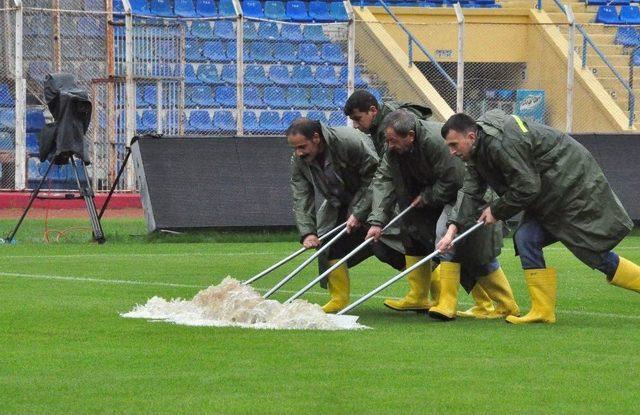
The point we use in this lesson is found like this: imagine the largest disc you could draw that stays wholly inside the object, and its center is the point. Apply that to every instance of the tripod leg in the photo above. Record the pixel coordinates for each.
(31, 200)
(115, 183)
(87, 194)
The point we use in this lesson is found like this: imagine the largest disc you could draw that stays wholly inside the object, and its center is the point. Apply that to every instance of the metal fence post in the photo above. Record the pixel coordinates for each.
(460, 80)
(21, 101)
(130, 98)
(570, 63)
(239, 66)
(351, 49)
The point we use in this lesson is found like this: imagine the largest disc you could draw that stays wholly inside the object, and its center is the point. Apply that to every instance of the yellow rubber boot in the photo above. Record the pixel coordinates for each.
(499, 290)
(338, 285)
(434, 290)
(417, 299)
(627, 275)
(449, 281)
(483, 307)
(543, 287)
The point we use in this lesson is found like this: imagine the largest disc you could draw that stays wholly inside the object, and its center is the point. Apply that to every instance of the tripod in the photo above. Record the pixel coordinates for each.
(85, 190)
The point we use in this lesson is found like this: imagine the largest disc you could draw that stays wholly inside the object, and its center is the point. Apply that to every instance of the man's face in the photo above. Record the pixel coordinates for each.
(363, 120)
(460, 144)
(304, 148)
(399, 144)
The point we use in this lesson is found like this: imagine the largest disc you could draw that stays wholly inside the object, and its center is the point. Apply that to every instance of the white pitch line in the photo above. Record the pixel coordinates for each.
(167, 284)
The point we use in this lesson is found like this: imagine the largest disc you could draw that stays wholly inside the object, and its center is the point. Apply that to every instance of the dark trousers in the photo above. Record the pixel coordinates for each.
(350, 241)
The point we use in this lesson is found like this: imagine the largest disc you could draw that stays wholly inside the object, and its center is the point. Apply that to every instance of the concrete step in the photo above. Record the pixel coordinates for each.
(591, 29)
(581, 17)
(600, 69)
(621, 61)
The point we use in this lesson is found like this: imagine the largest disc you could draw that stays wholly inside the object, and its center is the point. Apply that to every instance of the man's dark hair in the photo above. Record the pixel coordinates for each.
(304, 126)
(401, 121)
(360, 100)
(461, 123)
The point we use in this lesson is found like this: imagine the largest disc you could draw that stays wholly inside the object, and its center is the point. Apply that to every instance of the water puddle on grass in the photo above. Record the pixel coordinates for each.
(232, 303)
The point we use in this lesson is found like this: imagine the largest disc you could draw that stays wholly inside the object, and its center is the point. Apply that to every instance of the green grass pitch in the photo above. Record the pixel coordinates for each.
(64, 348)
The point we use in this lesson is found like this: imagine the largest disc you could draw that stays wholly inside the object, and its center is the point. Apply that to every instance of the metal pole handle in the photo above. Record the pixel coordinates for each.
(290, 257)
(345, 258)
(406, 271)
(304, 264)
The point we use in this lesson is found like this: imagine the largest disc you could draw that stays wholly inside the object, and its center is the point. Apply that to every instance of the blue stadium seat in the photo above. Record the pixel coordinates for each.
(184, 8)
(226, 9)
(215, 50)
(224, 121)
(285, 53)
(636, 58)
(274, 97)
(252, 8)
(337, 119)
(33, 146)
(607, 15)
(34, 120)
(229, 73)
(326, 75)
(279, 75)
(308, 52)
(249, 31)
(319, 11)
(199, 122)
(268, 31)
(249, 121)
(322, 98)
(274, 9)
(318, 116)
(6, 97)
(376, 93)
(202, 96)
(206, 8)
(627, 36)
(141, 102)
(332, 53)
(630, 15)
(190, 77)
(208, 74)
(91, 27)
(338, 12)
(359, 82)
(140, 7)
(254, 75)
(252, 98)
(193, 51)
(269, 122)
(291, 32)
(226, 96)
(315, 33)
(224, 30)
(261, 52)
(232, 49)
(201, 30)
(288, 117)
(149, 120)
(302, 76)
(298, 97)
(161, 8)
(38, 70)
(297, 11)
(7, 119)
(340, 97)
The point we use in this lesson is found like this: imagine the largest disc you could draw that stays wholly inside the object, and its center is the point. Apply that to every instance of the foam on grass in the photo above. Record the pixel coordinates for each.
(232, 303)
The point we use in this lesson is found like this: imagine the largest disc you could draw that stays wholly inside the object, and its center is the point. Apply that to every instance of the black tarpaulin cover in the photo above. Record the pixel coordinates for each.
(71, 111)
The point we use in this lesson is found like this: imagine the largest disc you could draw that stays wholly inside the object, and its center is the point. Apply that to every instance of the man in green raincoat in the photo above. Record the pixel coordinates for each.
(338, 165)
(418, 170)
(560, 188)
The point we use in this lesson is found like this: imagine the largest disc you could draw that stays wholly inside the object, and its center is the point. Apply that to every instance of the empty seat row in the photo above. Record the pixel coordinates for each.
(293, 10)
(225, 30)
(219, 51)
(609, 15)
(606, 2)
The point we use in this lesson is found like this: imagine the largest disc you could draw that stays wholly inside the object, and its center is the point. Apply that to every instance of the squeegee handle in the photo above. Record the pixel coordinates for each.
(405, 272)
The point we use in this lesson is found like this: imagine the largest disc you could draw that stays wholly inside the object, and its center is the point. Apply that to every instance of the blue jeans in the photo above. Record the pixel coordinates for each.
(531, 237)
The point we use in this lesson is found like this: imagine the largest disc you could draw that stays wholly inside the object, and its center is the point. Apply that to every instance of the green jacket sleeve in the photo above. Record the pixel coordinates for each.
(359, 154)
(448, 173)
(304, 207)
(383, 194)
(513, 159)
(470, 198)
